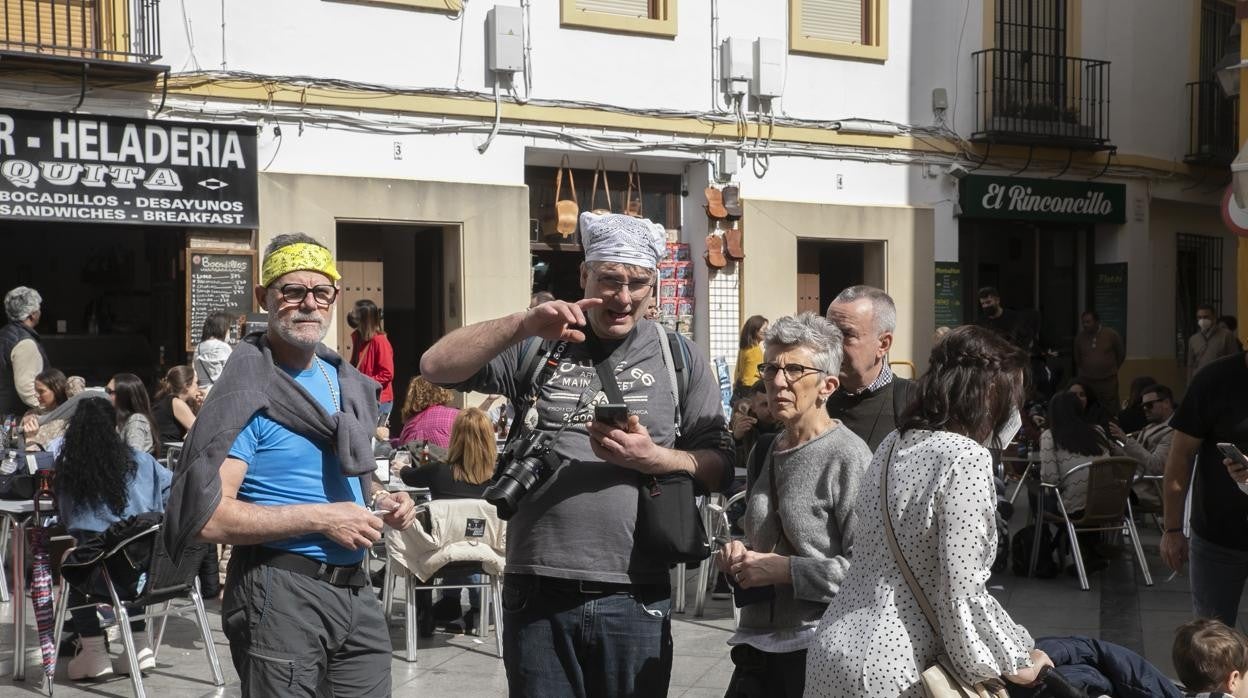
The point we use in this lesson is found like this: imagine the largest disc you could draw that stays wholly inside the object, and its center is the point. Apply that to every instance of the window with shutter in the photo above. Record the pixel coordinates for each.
(448, 6)
(846, 28)
(66, 28)
(654, 17)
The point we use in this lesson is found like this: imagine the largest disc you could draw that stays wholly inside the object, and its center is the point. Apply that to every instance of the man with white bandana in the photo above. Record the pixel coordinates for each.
(585, 611)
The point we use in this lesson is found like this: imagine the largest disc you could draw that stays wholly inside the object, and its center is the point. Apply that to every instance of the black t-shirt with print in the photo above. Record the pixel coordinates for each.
(1215, 409)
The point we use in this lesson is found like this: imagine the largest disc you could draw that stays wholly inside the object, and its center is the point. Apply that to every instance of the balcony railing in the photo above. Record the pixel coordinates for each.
(1028, 98)
(1211, 121)
(108, 30)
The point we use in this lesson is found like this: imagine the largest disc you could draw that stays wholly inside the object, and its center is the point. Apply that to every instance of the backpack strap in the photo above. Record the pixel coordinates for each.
(531, 360)
(676, 360)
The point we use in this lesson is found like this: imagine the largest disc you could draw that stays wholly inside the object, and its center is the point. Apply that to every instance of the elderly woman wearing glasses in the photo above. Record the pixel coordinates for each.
(799, 518)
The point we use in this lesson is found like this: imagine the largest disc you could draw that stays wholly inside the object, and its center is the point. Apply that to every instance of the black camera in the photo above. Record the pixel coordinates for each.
(524, 463)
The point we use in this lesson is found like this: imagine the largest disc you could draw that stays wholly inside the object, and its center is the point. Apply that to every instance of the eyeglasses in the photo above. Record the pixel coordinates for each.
(322, 294)
(636, 289)
(792, 372)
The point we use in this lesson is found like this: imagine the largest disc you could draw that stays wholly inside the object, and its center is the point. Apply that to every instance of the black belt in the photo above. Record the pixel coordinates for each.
(351, 576)
(583, 587)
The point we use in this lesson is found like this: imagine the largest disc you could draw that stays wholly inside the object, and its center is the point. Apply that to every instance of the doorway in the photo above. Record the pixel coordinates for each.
(400, 267)
(825, 268)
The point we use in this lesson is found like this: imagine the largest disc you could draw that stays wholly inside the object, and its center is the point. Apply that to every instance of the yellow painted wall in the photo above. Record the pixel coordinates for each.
(769, 275)
(492, 222)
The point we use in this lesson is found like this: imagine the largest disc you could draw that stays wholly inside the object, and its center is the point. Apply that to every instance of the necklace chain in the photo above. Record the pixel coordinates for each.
(333, 394)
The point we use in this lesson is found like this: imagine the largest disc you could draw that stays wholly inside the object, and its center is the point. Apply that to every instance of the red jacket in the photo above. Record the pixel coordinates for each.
(375, 359)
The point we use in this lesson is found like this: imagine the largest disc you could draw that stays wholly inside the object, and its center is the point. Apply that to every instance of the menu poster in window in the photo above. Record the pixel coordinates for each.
(216, 280)
(1109, 296)
(948, 294)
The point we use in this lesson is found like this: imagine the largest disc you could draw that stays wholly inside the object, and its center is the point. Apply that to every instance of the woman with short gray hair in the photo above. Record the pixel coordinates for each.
(799, 517)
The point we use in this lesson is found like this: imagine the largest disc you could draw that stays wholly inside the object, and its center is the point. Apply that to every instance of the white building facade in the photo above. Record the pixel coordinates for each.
(886, 154)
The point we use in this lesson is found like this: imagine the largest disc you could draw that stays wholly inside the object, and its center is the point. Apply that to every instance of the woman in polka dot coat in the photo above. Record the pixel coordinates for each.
(874, 639)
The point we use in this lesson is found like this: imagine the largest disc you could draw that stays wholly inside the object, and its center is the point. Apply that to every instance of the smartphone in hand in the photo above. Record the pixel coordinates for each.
(614, 414)
(1232, 452)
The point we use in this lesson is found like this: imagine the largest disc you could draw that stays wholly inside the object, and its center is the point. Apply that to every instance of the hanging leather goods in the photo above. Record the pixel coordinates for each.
(600, 169)
(566, 210)
(632, 206)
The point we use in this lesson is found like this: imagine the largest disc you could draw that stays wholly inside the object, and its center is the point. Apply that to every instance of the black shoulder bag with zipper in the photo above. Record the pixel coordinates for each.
(669, 525)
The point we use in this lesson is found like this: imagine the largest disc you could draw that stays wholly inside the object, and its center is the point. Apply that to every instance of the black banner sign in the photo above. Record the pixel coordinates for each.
(82, 168)
(1064, 200)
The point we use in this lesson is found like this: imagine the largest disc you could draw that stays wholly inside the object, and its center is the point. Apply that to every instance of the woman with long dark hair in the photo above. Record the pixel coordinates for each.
(173, 411)
(371, 352)
(134, 412)
(750, 354)
(51, 389)
(874, 639)
(99, 481)
(1068, 442)
(1090, 408)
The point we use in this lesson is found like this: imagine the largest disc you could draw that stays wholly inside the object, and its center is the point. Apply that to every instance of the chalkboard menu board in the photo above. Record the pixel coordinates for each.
(1109, 296)
(948, 294)
(216, 280)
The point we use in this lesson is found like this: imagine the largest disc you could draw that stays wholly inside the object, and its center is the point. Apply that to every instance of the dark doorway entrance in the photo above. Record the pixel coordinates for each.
(825, 268)
(399, 267)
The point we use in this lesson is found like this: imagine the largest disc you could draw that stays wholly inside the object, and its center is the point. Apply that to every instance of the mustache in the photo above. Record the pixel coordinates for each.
(305, 317)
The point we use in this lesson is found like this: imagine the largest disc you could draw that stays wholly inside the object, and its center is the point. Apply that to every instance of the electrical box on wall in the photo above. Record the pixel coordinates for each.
(736, 68)
(767, 79)
(504, 31)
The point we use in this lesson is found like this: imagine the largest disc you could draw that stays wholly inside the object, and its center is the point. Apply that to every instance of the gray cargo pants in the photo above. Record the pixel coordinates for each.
(291, 635)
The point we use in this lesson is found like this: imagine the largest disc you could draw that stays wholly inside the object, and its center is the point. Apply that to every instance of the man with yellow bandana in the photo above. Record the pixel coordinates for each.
(281, 454)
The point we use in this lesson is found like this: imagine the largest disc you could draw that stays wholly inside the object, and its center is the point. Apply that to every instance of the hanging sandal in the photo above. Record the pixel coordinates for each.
(566, 210)
(732, 201)
(600, 168)
(715, 250)
(715, 203)
(632, 206)
(733, 240)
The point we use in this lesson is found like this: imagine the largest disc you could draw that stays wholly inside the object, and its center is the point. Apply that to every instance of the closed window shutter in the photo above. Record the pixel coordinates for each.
(38, 25)
(833, 20)
(627, 8)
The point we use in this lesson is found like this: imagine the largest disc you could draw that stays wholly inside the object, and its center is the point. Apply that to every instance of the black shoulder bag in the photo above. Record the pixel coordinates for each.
(669, 525)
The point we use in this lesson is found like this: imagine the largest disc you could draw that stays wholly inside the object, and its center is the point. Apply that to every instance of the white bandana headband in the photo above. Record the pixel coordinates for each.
(615, 237)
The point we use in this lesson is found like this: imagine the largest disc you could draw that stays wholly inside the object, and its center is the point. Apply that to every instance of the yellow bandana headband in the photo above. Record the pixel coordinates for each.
(299, 256)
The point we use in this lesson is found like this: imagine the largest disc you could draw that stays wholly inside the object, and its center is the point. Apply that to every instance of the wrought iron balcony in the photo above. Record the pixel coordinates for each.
(1027, 98)
(1211, 122)
(126, 31)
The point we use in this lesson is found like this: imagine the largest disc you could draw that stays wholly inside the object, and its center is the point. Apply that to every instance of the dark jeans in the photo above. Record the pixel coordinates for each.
(87, 623)
(760, 674)
(292, 635)
(558, 641)
(1218, 576)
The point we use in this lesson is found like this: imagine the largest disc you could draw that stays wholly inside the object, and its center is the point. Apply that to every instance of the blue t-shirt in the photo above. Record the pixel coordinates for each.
(286, 468)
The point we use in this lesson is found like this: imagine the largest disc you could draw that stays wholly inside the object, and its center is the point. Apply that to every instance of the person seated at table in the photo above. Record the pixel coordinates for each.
(134, 412)
(465, 475)
(173, 409)
(1090, 408)
(100, 480)
(1068, 442)
(426, 414)
(51, 388)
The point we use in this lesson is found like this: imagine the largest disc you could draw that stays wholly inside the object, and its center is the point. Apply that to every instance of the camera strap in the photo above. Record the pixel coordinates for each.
(610, 386)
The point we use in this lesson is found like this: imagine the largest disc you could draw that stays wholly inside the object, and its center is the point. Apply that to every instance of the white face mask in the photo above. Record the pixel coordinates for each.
(1205, 323)
(1007, 432)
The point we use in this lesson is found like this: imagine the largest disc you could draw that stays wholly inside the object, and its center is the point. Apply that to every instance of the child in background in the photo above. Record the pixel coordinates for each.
(1211, 659)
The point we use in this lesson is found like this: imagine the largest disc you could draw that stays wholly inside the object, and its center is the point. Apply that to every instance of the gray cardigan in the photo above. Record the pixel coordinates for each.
(817, 485)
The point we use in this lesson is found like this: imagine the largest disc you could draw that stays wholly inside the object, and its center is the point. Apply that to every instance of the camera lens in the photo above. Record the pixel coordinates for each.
(514, 482)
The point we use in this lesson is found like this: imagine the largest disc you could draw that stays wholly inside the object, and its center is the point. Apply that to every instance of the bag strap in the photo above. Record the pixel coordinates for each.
(891, 537)
(600, 168)
(675, 371)
(563, 164)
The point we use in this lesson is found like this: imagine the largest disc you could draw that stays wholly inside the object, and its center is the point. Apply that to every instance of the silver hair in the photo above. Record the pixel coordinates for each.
(284, 239)
(883, 310)
(21, 303)
(812, 332)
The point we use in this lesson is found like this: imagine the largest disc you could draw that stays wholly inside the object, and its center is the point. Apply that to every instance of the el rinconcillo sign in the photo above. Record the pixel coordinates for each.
(1042, 199)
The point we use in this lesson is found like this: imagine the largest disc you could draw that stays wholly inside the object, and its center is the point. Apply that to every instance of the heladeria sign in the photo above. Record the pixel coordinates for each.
(1042, 199)
(101, 169)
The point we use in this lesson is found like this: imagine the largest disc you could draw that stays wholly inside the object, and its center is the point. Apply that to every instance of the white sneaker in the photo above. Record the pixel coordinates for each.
(91, 662)
(143, 648)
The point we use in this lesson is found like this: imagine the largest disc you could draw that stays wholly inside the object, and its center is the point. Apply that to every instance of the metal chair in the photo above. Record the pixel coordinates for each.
(719, 530)
(166, 582)
(491, 588)
(1107, 508)
(1154, 510)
